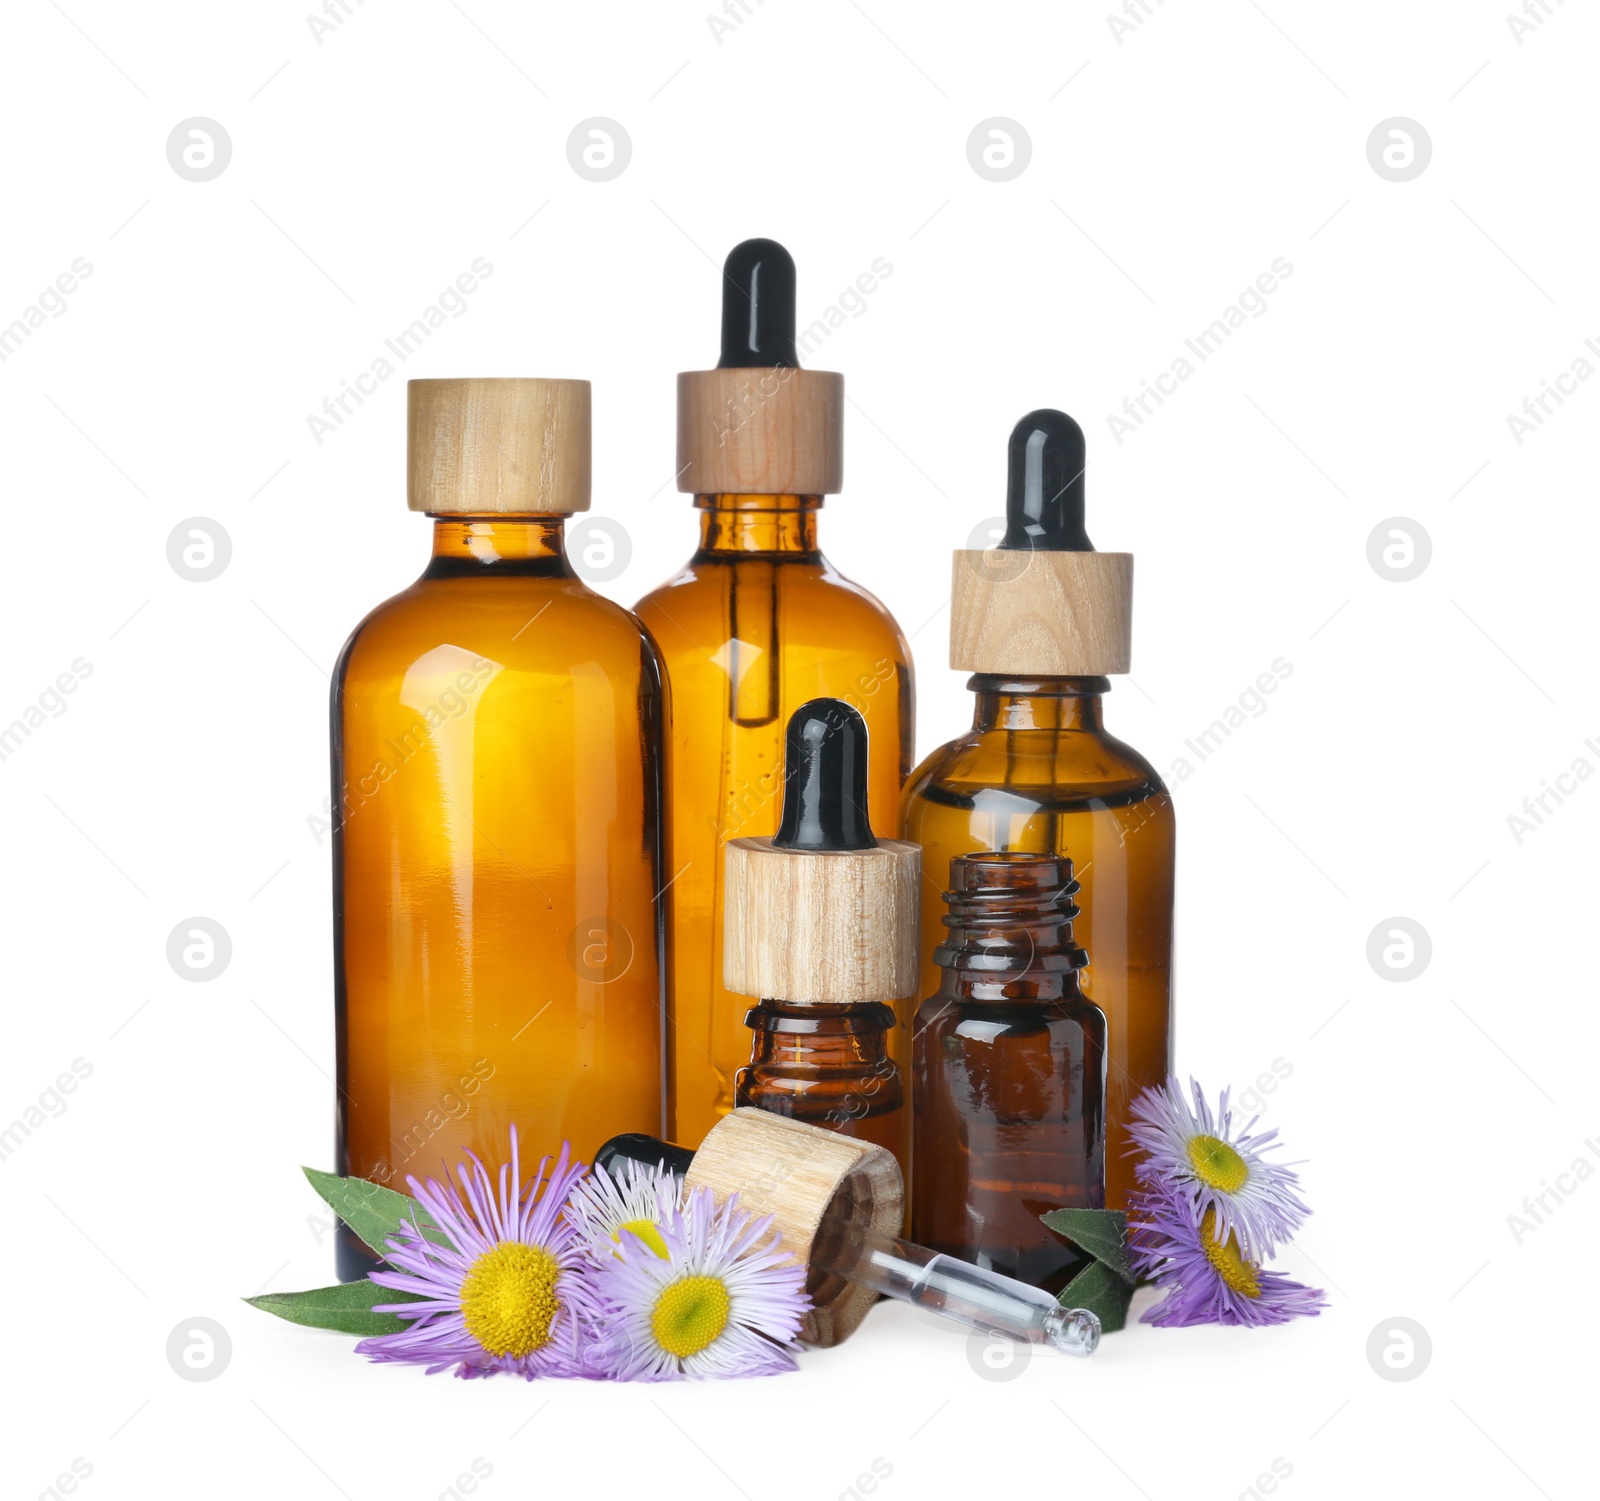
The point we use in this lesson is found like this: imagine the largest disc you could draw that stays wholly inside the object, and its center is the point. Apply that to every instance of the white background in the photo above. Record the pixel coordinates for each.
(1168, 170)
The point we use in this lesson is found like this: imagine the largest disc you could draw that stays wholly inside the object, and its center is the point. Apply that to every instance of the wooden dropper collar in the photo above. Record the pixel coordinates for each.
(758, 424)
(822, 910)
(1044, 603)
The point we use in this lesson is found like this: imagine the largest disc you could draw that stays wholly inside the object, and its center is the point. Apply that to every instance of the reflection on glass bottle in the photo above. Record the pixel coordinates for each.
(496, 768)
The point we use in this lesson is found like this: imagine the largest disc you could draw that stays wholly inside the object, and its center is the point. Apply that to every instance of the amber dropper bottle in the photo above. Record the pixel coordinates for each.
(1039, 622)
(496, 741)
(757, 623)
(1009, 1075)
(821, 924)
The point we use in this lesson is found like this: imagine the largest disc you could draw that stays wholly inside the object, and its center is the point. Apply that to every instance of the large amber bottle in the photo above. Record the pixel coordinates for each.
(757, 623)
(497, 733)
(1039, 622)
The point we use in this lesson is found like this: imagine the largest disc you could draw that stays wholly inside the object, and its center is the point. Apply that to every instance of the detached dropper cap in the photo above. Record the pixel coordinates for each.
(1044, 603)
(758, 424)
(844, 1189)
(822, 911)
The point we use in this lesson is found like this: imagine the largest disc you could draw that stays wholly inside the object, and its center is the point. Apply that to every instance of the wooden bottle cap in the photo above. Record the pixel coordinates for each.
(494, 447)
(821, 925)
(815, 1184)
(1045, 614)
(772, 431)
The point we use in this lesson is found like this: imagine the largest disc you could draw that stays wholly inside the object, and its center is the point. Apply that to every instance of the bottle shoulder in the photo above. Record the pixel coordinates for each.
(1048, 767)
(943, 1014)
(820, 606)
(529, 623)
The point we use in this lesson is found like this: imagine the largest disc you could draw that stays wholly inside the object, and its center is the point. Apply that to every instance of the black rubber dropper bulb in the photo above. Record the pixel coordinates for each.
(758, 307)
(1044, 485)
(648, 1151)
(825, 780)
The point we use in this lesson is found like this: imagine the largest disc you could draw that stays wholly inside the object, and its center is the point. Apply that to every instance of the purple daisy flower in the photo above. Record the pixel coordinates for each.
(636, 1197)
(1206, 1276)
(1215, 1168)
(721, 1301)
(509, 1293)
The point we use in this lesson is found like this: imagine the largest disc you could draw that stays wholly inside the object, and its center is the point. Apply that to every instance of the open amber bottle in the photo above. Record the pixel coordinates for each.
(821, 923)
(1009, 1074)
(828, 1065)
(757, 623)
(1039, 621)
(496, 769)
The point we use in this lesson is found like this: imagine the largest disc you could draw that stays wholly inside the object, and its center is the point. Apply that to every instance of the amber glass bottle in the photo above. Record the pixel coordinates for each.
(1009, 1074)
(821, 922)
(1038, 622)
(757, 623)
(827, 1065)
(496, 764)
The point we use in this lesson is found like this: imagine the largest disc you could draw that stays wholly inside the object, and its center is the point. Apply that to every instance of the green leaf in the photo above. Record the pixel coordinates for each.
(1099, 1289)
(1103, 1233)
(346, 1306)
(371, 1210)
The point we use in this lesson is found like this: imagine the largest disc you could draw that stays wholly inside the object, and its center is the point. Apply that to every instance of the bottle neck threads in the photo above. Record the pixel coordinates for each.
(1010, 929)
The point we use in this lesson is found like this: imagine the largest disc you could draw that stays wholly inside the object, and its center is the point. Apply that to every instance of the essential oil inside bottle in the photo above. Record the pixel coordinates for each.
(497, 847)
(1009, 1073)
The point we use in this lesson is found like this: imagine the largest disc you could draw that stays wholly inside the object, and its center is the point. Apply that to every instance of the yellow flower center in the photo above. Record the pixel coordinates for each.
(1227, 1260)
(647, 1231)
(689, 1315)
(508, 1298)
(1217, 1165)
